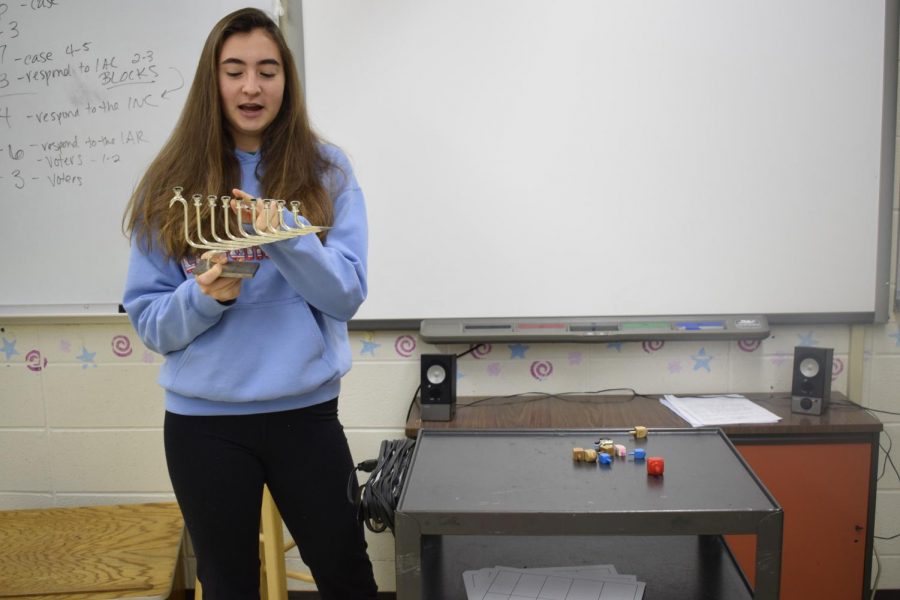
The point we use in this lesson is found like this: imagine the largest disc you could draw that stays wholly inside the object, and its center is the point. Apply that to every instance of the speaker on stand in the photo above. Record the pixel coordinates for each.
(438, 375)
(811, 386)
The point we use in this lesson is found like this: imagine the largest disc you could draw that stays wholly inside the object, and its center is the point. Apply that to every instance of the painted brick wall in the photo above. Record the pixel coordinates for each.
(81, 413)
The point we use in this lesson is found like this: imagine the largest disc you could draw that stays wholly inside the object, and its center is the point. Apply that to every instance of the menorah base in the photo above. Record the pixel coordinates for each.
(241, 270)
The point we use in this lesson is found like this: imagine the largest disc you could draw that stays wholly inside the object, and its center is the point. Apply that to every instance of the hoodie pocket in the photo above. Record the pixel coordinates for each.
(256, 352)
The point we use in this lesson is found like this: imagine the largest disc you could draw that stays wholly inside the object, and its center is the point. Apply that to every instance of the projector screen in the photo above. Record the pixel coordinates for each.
(577, 158)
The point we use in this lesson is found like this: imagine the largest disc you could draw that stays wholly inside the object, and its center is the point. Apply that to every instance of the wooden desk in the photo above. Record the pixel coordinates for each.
(90, 553)
(821, 470)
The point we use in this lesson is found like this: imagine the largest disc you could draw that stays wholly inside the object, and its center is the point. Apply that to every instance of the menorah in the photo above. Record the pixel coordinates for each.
(248, 234)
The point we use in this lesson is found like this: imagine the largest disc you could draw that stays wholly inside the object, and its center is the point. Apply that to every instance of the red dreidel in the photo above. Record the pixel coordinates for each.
(655, 465)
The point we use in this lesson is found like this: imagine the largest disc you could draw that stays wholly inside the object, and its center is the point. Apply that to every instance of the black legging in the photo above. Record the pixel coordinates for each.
(218, 466)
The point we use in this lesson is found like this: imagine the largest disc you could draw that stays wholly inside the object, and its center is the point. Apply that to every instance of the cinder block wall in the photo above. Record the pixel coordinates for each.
(81, 413)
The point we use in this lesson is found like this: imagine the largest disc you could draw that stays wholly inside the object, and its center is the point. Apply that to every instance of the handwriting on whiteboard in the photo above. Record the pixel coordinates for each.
(73, 107)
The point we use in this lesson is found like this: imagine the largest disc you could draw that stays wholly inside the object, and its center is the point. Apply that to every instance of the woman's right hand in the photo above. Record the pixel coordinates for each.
(213, 284)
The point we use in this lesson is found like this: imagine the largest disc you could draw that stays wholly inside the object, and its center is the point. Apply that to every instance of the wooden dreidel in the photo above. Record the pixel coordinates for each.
(655, 465)
(590, 455)
(607, 446)
(639, 432)
(578, 454)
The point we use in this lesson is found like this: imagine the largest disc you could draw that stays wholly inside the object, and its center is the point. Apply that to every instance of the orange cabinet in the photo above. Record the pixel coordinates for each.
(826, 490)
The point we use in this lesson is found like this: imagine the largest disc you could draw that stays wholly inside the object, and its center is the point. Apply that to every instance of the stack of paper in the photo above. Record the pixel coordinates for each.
(594, 582)
(730, 409)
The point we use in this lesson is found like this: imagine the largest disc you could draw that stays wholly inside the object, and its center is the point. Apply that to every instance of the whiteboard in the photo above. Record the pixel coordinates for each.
(89, 92)
(578, 158)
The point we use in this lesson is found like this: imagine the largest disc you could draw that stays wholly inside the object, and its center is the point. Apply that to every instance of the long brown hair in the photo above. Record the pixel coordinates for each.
(199, 154)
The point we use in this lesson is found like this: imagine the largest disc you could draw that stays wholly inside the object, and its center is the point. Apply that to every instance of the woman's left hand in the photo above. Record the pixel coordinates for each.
(264, 218)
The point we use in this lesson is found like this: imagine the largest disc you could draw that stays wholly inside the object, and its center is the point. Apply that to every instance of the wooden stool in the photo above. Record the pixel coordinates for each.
(122, 551)
(273, 574)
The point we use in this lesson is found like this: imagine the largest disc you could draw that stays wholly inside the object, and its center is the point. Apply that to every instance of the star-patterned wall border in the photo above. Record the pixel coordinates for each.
(405, 346)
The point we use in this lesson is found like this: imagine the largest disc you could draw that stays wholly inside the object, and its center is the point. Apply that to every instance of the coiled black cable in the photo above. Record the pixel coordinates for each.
(377, 498)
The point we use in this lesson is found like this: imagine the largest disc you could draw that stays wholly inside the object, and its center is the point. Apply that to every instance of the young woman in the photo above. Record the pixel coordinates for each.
(253, 366)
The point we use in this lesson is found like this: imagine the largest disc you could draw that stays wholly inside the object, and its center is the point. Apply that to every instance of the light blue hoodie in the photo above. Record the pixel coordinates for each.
(283, 344)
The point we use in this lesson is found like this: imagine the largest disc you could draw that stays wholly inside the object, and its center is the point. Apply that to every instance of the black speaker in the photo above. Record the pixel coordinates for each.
(811, 388)
(438, 387)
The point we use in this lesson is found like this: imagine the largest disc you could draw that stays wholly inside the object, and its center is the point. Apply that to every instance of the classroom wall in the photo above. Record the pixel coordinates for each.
(81, 414)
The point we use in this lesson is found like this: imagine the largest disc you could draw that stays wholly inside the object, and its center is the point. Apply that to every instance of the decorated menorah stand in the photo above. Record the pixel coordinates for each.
(248, 234)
